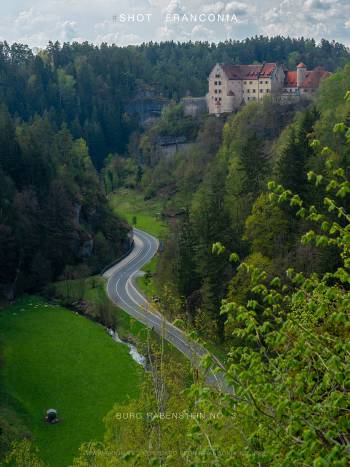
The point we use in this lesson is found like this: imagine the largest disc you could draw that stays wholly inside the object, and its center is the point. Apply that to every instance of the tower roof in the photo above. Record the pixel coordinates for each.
(301, 65)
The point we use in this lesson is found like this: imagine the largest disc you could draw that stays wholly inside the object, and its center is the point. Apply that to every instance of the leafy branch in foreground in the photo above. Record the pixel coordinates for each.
(291, 372)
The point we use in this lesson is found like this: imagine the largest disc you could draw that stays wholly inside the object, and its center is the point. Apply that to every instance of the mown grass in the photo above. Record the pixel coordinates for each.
(131, 205)
(92, 291)
(55, 358)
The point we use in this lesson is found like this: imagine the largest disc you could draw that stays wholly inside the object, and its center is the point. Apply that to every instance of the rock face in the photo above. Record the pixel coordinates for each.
(194, 106)
(167, 146)
(146, 106)
(86, 249)
(81, 244)
(77, 212)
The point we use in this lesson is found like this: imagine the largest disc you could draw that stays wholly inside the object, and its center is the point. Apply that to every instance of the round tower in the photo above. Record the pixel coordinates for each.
(301, 74)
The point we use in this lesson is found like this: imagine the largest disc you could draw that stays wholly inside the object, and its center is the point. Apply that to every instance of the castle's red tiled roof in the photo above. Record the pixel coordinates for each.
(301, 65)
(290, 80)
(249, 71)
(267, 70)
(312, 78)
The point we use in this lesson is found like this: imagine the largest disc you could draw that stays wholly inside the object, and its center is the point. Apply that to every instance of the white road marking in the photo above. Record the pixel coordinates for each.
(138, 258)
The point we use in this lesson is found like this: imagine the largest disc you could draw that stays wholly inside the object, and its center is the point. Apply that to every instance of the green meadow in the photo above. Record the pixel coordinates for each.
(132, 206)
(53, 358)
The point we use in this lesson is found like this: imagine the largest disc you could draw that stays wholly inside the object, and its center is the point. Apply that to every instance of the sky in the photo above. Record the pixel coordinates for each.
(125, 22)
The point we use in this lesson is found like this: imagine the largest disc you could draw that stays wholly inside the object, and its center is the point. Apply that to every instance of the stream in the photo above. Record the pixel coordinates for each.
(135, 355)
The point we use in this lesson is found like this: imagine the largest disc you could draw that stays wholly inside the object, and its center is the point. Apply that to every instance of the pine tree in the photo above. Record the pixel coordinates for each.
(186, 275)
(211, 225)
(292, 164)
(255, 164)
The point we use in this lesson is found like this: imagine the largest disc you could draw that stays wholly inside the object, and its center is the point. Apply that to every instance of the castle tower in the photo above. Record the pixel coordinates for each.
(301, 74)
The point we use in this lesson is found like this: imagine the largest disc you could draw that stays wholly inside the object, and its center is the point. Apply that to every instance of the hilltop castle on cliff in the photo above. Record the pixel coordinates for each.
(232, 85)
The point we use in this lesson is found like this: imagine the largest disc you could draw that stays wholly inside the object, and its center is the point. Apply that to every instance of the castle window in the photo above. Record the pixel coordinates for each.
(219, 91)
(267, 90)
(266, 82)
(217, 76)
(253, 90)
(248, 90)
(261, 82)
(245, 82)
(216, 91)
(250, 82)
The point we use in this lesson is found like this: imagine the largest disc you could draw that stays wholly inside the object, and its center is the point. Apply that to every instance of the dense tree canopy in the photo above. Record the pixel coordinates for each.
(52, 210)
(89, 87)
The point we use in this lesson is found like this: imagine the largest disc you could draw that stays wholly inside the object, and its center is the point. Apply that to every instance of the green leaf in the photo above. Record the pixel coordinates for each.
(218, 249)
(234, 258)
(339, 128)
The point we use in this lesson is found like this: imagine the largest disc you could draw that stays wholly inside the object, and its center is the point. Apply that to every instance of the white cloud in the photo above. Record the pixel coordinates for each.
(232, 8)
(201, 33)
(69, 31)
(310, 18)
(68, 20)
(174, 7)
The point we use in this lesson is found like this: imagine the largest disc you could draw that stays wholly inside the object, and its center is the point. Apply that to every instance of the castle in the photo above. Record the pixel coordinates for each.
(230, 86)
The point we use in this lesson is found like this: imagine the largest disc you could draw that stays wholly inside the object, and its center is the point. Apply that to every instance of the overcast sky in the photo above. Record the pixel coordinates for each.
(123, 22)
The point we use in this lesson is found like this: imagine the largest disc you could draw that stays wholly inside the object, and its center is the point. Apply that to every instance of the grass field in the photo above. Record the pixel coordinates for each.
(93, 291)
(131, 205)
(55, 358)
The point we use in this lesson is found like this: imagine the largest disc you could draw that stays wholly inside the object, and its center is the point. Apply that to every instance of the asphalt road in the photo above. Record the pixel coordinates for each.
(122, 291)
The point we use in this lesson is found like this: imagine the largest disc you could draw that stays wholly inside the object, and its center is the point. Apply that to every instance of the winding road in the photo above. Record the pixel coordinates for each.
(122, 291)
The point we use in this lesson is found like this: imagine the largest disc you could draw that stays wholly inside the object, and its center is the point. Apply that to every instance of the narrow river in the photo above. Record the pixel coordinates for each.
(140, 359)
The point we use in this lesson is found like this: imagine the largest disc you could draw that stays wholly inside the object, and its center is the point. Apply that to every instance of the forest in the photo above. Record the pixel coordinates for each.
(88, 87)
(256, 262)
(256, 259)
(64, 107)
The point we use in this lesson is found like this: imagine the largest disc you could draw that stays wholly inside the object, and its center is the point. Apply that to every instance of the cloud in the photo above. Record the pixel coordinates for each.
(310, 18)
(174, 7)
(239, 9)
(232, 8)
(68, 20)
(317, 5)
(201, 33)
(69, 31)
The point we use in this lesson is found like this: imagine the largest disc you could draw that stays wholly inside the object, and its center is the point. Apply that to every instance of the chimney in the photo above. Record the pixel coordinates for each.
(301, 74)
